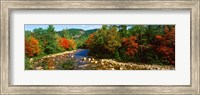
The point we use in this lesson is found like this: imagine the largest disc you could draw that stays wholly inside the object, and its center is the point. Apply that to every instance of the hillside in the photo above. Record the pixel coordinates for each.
(77, 33)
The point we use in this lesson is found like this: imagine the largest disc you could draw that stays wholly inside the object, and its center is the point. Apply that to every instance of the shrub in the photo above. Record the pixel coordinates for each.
(68, 65)
(51, 64)
(28, 65)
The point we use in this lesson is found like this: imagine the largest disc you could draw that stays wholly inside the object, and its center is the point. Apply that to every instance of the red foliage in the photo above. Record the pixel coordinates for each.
(64, 43)
(131, 45)
(167, 44)
(32, 47)
(159, 37)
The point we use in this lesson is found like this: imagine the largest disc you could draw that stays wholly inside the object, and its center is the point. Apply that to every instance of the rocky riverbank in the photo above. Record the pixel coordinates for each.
(109, 64)
(56, 61)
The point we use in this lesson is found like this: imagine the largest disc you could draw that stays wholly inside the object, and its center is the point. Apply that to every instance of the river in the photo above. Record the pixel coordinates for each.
(80, 54)
(80, 60)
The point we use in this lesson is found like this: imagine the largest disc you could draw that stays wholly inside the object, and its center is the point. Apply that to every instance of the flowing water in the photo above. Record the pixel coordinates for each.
(80, 54)
(79, 60)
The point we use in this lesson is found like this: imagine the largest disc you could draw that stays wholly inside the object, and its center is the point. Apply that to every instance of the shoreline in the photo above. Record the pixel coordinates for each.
(142, 65)
(108, 64)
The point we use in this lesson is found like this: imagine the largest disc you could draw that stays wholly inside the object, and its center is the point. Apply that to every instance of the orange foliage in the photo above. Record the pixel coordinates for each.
(132, 46)
(32, 47)
(64, 43)
(72, 44)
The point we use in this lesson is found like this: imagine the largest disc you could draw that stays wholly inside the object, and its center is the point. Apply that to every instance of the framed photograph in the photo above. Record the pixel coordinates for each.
(100, 47)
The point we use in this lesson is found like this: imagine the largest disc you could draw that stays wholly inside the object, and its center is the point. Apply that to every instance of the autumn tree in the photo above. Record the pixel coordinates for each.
(166, 44)
(32, 47)
(72, 44)
(90, 41)
(64, 43)
(131, 45)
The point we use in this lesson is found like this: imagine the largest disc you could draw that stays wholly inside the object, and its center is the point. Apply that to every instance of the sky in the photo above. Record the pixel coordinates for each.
(59, 27)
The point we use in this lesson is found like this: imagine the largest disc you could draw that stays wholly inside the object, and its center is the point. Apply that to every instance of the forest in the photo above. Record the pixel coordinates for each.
(111, 47)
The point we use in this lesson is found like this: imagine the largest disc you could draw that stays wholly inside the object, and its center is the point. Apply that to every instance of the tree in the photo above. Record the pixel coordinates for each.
(27, 33)
(90, 41)
(64, 43)
(166, 44)
(65, 33)
(32, 47)
(50, 29)
(123, 31)
(72, 44)
(130, 45)
(51, 41)
(104, 41)
(112, 40)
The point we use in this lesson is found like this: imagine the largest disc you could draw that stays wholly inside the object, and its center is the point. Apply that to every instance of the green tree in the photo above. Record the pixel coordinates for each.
(65, 33)
(123, 31)
(112, 39)
(51, 42)
(105, 41)
(27, 33)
